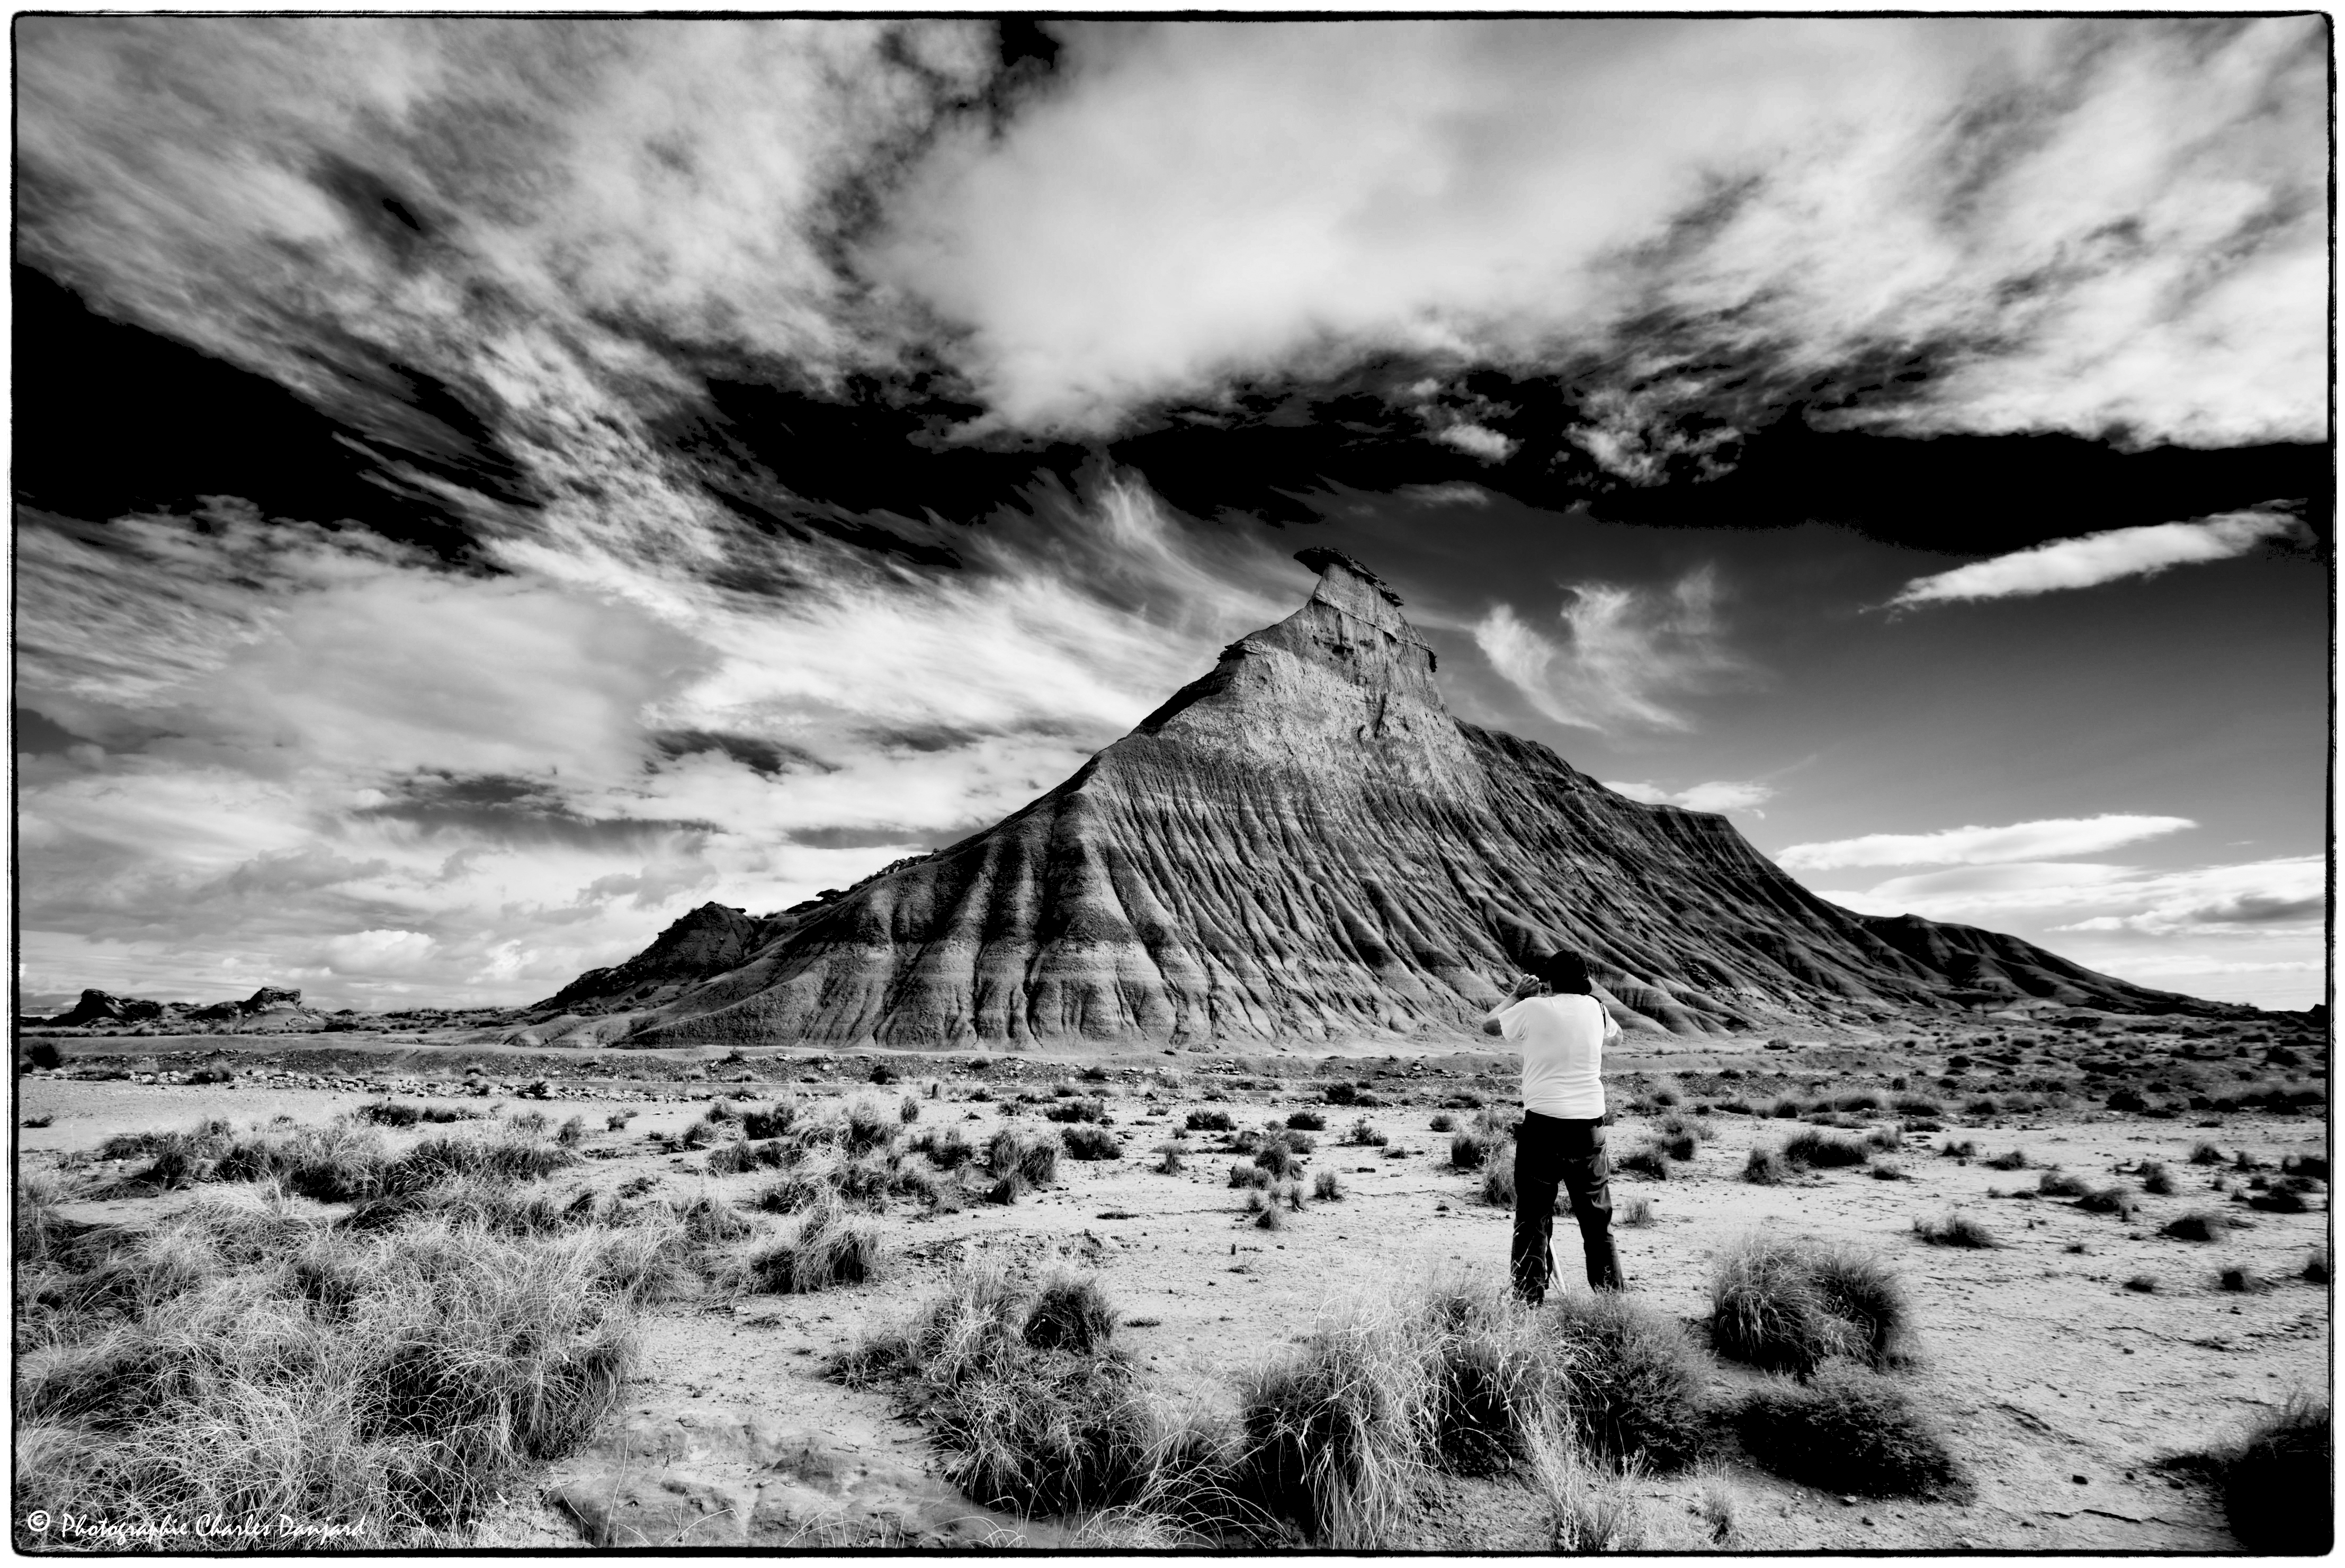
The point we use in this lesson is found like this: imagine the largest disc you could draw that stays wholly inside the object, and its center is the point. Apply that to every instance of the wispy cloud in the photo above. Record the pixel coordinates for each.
(1625, 656)
(305, 736)
(1454, 493)
(2092, 559)
(1718, 794)
(2100, 225)
(2019, 841)
(2250, 931)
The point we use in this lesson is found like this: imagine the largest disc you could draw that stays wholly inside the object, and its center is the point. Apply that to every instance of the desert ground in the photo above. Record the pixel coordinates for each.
(2063, 1368)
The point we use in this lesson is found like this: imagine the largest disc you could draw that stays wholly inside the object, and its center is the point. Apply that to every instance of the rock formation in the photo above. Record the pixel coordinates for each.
(708, 941)
(270, 1008)
(1303, 843)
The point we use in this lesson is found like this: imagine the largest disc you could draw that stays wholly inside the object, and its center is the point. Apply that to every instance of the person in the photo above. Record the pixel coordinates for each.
(1562, 1029)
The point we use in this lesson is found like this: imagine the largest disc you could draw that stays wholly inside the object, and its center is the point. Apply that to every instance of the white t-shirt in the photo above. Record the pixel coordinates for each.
(1562, 1040)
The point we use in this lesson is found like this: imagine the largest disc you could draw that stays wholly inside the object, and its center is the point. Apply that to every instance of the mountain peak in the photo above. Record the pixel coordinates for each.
(1304, 844)
(1319, 558)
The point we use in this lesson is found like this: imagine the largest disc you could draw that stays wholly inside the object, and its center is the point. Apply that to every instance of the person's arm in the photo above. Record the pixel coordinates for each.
(1493, 1021)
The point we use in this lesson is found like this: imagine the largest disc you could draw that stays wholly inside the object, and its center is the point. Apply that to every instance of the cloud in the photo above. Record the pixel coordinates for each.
(2267, 916)
(1626, 653)
(2091, 559)
(1478, 441)
(1981, 846)
(1718, 794)
(313, 731)
(1457, 492)
(2107, 226)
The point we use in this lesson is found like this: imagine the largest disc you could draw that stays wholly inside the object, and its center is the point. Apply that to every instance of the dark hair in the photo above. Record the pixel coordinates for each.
(1564, 972)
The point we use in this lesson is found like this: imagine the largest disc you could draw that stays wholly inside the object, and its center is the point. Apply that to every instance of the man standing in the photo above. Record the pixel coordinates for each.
(1562, 1030)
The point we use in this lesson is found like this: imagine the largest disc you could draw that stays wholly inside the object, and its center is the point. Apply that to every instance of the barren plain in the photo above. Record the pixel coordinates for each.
(2063, 1366)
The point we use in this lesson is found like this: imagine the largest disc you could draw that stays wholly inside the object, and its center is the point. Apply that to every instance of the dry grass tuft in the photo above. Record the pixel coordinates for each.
(830, 1247)
(1633, 1385)
(1790, 1306)
(248, 1356)
(1954, 1229)
(1849, 1429)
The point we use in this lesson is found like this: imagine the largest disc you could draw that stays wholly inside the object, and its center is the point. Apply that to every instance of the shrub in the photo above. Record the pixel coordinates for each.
(1678, 1146)
(1632, 1379)
(1888, 1138)
(1469, 1149)
(909, 1111)
(2112, 1199)
(2156, 1180)
(867, 1127)
(1883, 1171)
(1307, 1121)
(1364, 1136)
(401, 1379)
(2059, 1184)
(2198, 1225)
(2279, 1200)
(946, 1150)
(1006, 1188)
(1326, 1187)
(1442, 1122)
(1071, 1312)
(741, 1157)
(1954, 1229)
(1766, 1167)
(829, 1248)
(774, 1121)
(1787, 1108)
(1210, 1121)
(2142, 1283)
(1245, 1173)
(1645, 1160)
(2205, 1153)
(1076, 1111)
(2275, 1480)
(2314, 1166)
(1342, 1094)
(1499, 1184)
(617, 1120)
(2014, 1159)
(1917, 1105)
(799, 1189)
(1034, 1159)
(1168, 1160)
(2315, 1266)
(2238, 1277)
(1337, 1435)
(1276, 1159)
(1270, 1217)
(1983, 1105)
(1848, 1430)
(1788, 1306)
(1026, 1393)
(1816, 1148)
(1636, 1210)
(1090, 1143)
(1964, 1150)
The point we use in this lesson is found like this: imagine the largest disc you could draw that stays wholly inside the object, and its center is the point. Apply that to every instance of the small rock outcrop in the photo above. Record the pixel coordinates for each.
(1303, 843)
(708, 941)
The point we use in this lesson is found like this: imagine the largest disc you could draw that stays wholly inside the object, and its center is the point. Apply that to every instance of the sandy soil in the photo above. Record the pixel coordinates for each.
(2059, 1386)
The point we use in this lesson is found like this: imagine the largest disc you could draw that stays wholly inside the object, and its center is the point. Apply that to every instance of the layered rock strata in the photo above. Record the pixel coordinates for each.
(1304, 844)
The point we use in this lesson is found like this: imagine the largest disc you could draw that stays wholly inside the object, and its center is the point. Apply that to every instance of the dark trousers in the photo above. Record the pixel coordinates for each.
(1551, 1151)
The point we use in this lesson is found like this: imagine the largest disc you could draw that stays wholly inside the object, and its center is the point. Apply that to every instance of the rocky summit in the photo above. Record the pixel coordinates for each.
(1304, 844)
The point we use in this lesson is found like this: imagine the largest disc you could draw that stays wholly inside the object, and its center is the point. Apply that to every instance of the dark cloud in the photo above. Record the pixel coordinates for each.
(508, 810)
(763, 757)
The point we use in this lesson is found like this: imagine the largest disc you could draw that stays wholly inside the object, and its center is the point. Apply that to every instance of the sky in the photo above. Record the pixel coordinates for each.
(486, 486)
